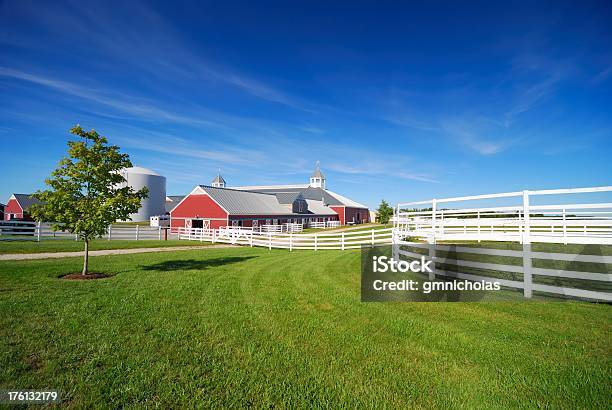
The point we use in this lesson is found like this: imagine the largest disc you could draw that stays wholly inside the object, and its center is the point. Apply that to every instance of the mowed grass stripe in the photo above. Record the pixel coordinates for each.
(249, 326)
(70, 245)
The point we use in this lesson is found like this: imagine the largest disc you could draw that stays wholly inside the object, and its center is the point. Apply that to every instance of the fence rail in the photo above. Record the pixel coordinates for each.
(283, 240)
(461, 258)
(583, 223)
(578, 223)
(35, 231)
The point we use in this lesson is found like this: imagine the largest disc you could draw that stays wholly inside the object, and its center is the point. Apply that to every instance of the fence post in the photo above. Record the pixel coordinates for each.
(527, 275)
(213, 236)
(372, 237)
(342, 240)
(433, 217)
(290, 241)
(137, 231)
(395, 244)
(564, 228)
(38, 232)
(316, 236)
(478, 222)
(159, 233)
(270, 240)
(396, 217)
(432, 257)
(110, 232)
(432, 240)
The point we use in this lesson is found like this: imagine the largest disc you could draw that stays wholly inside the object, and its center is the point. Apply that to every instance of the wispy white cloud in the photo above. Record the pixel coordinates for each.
(152, 45)
(411, 121)
(263, 91)
(117, 101)
(391, 167)
(472, 133)
(481, 114)
(311, 129)
(172, 145)
(529, 97)
(602, 76)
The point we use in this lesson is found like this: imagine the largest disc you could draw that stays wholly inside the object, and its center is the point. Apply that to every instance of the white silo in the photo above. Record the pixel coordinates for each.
(154, 204)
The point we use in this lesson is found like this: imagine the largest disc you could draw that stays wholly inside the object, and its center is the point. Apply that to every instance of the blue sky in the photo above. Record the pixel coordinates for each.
(402, 102)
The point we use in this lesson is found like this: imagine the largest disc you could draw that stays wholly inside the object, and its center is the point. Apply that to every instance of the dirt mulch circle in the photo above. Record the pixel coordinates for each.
(80, 276)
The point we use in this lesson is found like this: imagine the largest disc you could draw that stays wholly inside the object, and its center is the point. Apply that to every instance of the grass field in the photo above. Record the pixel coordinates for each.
(63, 245)
(252, 327)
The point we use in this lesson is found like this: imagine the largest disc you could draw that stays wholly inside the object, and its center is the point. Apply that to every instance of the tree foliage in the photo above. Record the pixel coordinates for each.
(384, 212)
(87, 191)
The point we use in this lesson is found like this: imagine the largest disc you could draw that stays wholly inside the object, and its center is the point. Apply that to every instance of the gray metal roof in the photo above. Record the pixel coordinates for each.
(26, 201)
(246, 202)
(175, 198)
(318, 208)
(316, 194)
(173, 202)
(287, 197)
(239, 202)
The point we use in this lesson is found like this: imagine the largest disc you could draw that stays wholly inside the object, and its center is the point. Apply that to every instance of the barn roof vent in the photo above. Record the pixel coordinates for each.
(218, 182)
(317, 179)
(317, 172)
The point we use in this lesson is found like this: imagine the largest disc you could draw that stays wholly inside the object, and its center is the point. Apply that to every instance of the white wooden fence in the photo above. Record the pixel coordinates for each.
(578, 223)
(293, 227)
(326, 224)
(271, 228)
(585, 223)
(284, 240)
(36, 231)
(462, 259)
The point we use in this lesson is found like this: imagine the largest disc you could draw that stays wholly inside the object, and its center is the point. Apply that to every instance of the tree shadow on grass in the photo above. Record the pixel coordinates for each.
(193, 264)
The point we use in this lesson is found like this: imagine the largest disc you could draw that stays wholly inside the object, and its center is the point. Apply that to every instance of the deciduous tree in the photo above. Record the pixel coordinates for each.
(87, 191)
(384, 212)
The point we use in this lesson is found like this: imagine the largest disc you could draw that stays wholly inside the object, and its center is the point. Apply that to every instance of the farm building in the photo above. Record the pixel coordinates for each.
(2, 212)
(154, 204)
(172, 201)
(215, 205)
(17, 207)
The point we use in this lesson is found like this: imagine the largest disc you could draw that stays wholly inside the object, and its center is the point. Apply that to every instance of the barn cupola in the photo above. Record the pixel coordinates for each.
(317, 179)
(218, 182)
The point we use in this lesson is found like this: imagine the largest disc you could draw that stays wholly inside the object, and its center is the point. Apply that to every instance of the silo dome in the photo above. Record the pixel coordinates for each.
(155, 203)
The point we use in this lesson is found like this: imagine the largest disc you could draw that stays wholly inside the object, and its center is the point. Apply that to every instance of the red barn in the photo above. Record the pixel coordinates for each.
(17, 207)
(215, 206)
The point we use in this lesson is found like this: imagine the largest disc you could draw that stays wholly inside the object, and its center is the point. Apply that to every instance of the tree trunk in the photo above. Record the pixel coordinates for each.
(86, 260)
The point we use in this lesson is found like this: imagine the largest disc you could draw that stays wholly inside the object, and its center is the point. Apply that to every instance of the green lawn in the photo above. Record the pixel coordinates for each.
(65, 245)
(252, 327)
